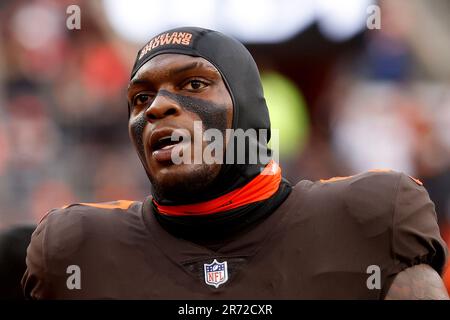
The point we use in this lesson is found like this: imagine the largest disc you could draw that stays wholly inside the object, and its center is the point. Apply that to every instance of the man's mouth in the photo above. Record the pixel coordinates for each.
(165, 143)
(161, 144)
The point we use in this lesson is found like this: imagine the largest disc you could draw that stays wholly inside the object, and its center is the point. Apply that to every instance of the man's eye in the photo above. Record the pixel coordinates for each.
(195, 85)
(141, 99)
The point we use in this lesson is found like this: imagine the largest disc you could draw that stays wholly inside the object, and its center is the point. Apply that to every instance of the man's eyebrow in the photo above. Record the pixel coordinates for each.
(191, 66)
(174, 71)
(184, 68)
(137, 82)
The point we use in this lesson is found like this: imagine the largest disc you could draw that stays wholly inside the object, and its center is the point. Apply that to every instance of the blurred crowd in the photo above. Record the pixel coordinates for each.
(63, 112)
(383, 103)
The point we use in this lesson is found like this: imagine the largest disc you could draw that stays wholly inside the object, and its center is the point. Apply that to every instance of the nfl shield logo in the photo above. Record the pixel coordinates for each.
(216, 273)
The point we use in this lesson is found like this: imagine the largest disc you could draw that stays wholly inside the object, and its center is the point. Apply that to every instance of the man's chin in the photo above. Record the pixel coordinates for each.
(182, 182)
(169, 171)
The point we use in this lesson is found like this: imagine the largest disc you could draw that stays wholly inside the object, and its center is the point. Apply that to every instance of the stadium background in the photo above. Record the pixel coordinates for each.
(345, 98)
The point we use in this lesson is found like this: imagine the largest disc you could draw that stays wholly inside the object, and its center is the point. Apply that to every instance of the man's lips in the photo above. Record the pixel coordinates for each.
(161, 143)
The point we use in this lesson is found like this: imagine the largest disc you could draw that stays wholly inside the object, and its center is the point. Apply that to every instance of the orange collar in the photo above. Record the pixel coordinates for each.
(259, 188)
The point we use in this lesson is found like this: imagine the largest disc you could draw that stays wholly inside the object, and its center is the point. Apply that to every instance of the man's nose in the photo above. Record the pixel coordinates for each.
(161, 107)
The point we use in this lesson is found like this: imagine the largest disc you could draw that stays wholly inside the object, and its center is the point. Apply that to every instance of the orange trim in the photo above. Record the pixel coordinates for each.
(119, 204)
(380, 170)
(260, 188)
(334, 179)
(420, 183)
(389, 170)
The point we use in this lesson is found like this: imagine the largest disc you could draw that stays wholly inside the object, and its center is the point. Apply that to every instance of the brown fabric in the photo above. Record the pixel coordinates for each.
(317, 245)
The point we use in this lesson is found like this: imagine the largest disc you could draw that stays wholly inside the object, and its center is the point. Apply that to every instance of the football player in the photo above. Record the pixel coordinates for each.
(236, 229)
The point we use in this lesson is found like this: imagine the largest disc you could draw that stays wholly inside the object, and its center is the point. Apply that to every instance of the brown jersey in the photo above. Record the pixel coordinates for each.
(327, 240)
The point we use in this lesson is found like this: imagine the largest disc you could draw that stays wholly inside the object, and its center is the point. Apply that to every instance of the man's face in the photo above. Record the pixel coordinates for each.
(167, 94)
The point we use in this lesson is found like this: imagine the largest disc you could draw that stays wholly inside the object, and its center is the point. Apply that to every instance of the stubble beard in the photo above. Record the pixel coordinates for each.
(187, 186)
